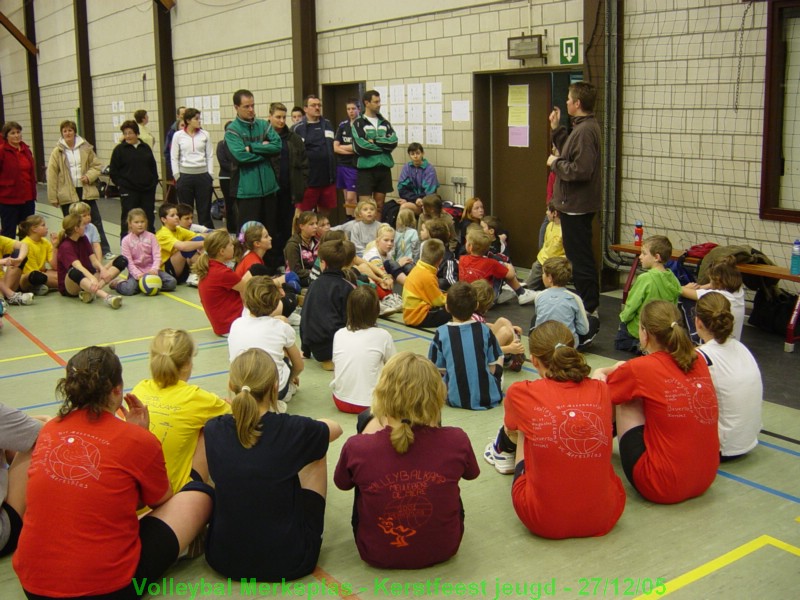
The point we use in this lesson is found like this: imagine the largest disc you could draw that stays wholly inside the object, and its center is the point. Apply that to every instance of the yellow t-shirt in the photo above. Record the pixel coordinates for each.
(553, 243)
(177, 414)
(40, 254)
(6, 248)
(166, 239)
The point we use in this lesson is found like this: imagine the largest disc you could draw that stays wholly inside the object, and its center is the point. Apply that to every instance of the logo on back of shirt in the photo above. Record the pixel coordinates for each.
(73, 459)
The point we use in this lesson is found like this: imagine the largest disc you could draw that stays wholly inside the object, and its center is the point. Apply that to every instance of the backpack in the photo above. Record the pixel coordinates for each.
(772, 310)
(679, 269)
(453, 210)
(700, 250)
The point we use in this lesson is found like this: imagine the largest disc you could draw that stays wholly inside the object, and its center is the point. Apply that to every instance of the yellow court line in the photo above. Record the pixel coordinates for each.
(723, 561)
(117, 343)
(181, 300)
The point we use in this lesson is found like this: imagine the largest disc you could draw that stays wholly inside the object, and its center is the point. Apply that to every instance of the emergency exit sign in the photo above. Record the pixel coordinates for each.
(569, 51)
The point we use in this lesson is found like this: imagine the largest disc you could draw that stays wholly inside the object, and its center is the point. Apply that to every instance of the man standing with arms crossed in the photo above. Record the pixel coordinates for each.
(577, 193)
(373, 142)
(317, 133)
(252, 143)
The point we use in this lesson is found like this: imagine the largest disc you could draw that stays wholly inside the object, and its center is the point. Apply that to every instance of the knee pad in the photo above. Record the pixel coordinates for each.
(37, 278)
(258, 269)
(75, 275)
(120, 263)
(198, 486)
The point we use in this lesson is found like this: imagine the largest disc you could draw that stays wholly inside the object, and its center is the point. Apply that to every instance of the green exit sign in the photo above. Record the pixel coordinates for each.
(569, 51)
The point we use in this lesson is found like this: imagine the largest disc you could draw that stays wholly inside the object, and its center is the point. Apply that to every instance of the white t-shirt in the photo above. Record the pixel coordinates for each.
(358, 357)
(269, 334)
(737, 307)
(737, 380)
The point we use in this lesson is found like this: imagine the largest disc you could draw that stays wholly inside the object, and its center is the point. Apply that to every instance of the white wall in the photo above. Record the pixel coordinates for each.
(14, 69)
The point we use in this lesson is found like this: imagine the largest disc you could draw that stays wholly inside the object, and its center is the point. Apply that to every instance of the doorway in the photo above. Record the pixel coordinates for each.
(511, 166)
(334, 104)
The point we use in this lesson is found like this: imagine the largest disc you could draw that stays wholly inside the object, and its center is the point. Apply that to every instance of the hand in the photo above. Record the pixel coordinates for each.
(94, 285)
(515, 347)
(551, 159)
(153, 272)
(517, 329)
(136, 413)
(84, 180)
(387, 282)
(555, 117)
(296, 380)
(404, 261)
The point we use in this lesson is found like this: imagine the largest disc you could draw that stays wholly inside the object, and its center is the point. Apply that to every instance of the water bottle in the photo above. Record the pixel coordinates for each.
(638, 234)
(795, 269)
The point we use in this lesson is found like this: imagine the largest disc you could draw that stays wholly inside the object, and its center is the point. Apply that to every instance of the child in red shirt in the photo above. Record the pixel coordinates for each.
(564, 484)
(475, 265)
(220, 288)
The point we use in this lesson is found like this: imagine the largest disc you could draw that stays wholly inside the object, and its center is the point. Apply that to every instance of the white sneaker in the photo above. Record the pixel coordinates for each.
(294, 319)
(282, 407)
(86, 297)
(503, 461)
(109, 255)
(19, 299)
(193, 280)
(114, 302)
(527, 297)
(506, 295)
(41, 290)
(290, 392)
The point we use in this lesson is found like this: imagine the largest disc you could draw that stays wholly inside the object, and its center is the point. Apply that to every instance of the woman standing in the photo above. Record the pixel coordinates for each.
(72, 171)
(193, 166)
(134, 171)
(17, 180)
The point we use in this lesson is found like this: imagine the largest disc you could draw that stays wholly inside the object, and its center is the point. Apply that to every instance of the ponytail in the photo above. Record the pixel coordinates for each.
(663, 321)
(552, 343)
(215, 242)
(254, 381)
(170, 351)
(28, 224)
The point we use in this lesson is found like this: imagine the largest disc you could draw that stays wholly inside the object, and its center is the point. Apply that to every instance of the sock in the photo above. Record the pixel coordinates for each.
(503, 443)
(520, 290)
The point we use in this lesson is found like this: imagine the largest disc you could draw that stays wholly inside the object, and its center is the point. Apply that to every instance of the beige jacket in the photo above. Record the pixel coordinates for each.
(60, 189)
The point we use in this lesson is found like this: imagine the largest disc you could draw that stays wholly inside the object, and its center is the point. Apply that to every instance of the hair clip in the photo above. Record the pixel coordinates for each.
(246, 388)
(559, 345)
(673, 325)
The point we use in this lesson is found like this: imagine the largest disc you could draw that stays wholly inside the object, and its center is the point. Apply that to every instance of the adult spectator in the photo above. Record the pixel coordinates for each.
(373, 143)
(17, 180)
(252, 142)
(134, 171)
(317, 133)
(346, 172)
(72, 171)
(193, 166)
(291, 169)
(141, 118)
(169, 190)
(226, 167)
(577, 193)
(297, 115)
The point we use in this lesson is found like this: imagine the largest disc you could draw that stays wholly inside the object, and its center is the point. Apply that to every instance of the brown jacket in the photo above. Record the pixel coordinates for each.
(60, 189)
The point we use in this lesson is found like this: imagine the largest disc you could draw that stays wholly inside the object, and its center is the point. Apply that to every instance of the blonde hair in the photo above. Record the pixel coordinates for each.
(170, 351)
(136, 212)
(478, 240)
(552, 343)
(253, 380)
(405, 219)
(383, 229)
(79, 208)
(485, 294)
(261, 296)
(215, 242)
(663, 321)
(362, 203)
(417, 404)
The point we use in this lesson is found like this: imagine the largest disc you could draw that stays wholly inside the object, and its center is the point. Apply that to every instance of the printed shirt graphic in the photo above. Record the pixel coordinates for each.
(680, 433)
(408, 505)
(570, 488)
(96, 470)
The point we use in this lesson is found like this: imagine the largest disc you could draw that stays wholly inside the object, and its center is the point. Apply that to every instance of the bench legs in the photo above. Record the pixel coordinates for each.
(791, 338)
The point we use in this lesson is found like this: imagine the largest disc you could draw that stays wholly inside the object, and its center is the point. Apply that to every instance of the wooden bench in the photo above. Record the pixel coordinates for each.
(772, 271)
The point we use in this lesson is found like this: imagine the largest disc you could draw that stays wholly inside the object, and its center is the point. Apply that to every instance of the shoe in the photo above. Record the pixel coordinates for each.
(503, 461)
(109, 255)
(86, 297)
(20, 299)
(290, 393)
(193, 280)
(585, 343)
(526, 297)
(327, 365)
(282, 406)
(294, 319)
(515, 363)
(506, 295)
(114, 302)
(41, 290)
(389, 306)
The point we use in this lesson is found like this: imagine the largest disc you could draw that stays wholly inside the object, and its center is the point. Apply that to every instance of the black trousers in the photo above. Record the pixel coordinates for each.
(131, 199)
(576, 231)
(195, 190)
(231, 222)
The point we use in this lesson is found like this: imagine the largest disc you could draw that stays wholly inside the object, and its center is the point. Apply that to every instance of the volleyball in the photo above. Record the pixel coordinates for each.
(191, 253)
(150, 284)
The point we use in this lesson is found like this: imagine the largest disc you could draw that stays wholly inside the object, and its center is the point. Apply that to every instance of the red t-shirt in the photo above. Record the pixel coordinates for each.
(87, 476)
(250, 259)
(223, 304)
(569, 488)
(471, 268)
(680, 432)
(409, 505)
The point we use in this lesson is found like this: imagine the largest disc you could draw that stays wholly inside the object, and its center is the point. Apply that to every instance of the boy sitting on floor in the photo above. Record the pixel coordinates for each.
(423, 301)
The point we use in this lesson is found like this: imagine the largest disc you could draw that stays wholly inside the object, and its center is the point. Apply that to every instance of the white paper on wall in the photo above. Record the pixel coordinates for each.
(383, 91)
(434, 135)
(415, 134)
(397, 94)
(188, 102)
(215, 102)
(433, 113)
(415, 113)
(459, 110)
(397, 113)
(115, 106)
(215, 117)
(121, 106)
(433, 92)
(115, 121)
(206, 102)
(414, 93)
(400, 130)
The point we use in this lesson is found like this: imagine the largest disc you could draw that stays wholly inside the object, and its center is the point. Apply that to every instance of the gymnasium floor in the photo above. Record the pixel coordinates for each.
(739, 540)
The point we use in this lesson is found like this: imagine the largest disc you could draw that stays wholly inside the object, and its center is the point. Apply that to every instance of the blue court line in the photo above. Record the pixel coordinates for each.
(758, 486)
(779, 448)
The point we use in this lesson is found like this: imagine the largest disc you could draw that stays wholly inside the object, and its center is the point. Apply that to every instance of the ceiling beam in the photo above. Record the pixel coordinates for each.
(20, 37)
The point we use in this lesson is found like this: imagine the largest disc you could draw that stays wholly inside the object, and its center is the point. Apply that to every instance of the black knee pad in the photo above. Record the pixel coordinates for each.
(75, 275)
(120, 263)
(37, 278)
(198, 486)
(257, 269)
